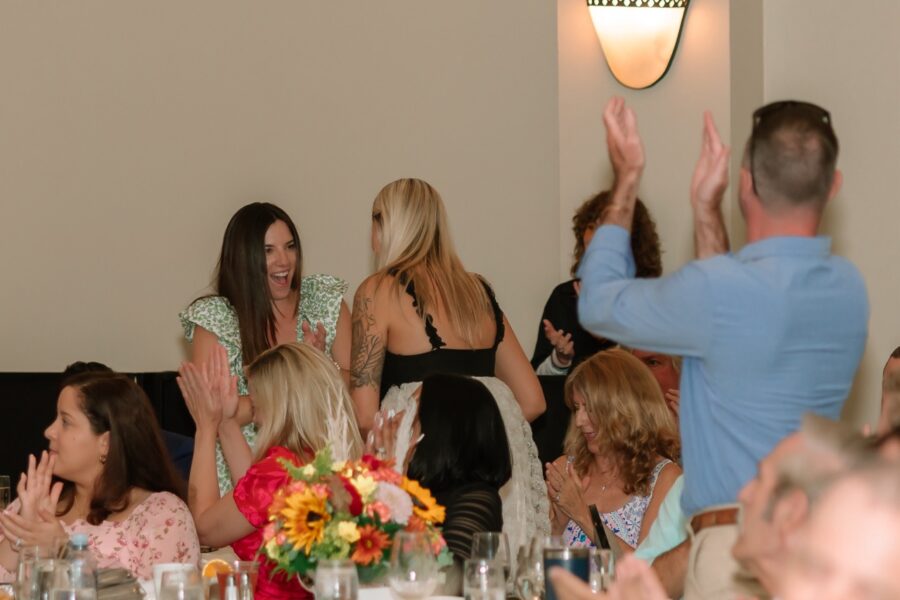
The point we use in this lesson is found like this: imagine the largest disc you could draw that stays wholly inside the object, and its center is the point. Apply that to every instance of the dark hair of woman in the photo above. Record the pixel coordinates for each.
(644, 239)
(465, 440)
(241, 274)
(137, 457)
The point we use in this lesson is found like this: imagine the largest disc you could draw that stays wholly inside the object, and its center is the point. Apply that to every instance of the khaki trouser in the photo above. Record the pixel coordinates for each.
(711, 568)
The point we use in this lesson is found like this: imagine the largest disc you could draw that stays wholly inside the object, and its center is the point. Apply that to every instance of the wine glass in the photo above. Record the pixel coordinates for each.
(336, 580)
(483, 580)
(413, 571)
(602, 569)
(492, 545)
(529, 577)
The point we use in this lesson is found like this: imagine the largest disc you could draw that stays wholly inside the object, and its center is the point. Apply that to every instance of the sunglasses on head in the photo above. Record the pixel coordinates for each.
(816, 114)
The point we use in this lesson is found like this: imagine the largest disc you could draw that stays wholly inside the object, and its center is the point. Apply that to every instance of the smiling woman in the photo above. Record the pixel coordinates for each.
(118, 485)
(262, 300)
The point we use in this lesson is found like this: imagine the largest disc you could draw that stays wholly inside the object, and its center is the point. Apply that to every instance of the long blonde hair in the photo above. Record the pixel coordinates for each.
(303, 403)
(632, 423)
(416, 246)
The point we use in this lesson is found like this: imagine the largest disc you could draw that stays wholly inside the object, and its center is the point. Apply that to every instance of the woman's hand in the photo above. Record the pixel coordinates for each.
(35, 489)
(223, 384)
(673, 401)
(42, 528)
(203, 404)
(314, 337)
(567, 492)
(563, 347)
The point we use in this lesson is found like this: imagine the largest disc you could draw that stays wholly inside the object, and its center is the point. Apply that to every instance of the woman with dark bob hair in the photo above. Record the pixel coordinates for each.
(115, 483)
(463, 457)
(621, 449)
(561, 341)
(262, 300)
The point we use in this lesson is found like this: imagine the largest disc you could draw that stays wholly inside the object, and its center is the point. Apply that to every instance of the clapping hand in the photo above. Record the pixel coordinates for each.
(626, 152)
(562, 343)
(314, 337)
(673, 401)
(567, 491)
(38, 495)
(711, 173)
(210, 391)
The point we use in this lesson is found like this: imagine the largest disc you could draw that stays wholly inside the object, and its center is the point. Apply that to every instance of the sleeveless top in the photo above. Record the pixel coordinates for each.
(320, 302)
(405, 368)
(625, 521)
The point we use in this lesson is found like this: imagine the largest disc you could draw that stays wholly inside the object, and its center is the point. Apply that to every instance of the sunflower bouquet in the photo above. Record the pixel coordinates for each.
(347, 510)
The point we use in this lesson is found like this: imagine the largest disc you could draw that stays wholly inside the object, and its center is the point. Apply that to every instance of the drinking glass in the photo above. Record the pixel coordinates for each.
(242, 574)
(574, 560)
(336, 580)
(28, 578)
(603, 569)
(483, 580)
(529, 579)
(184, 584)
(413, 571)
(492, 545)
(4, 491)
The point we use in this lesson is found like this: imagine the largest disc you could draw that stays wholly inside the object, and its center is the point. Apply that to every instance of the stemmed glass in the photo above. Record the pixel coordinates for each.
(530, 570)
(483, 580)
(492, 545)
(184, 584)
(413, 571)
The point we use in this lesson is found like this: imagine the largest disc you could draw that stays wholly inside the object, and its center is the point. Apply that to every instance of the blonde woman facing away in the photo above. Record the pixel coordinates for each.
(301, 405)
(422, 313)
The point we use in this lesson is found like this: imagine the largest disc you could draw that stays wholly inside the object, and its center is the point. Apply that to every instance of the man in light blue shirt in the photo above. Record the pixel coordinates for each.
(767, 334)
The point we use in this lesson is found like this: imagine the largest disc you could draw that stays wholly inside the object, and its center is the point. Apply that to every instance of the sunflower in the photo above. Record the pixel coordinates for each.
(424, 504)
(305, 515)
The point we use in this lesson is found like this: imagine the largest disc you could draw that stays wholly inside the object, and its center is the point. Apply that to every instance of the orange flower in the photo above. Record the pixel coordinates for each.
(370, 546)
(424, 504)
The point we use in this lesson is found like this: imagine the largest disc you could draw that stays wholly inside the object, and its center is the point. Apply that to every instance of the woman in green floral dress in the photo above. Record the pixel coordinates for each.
(261, 301)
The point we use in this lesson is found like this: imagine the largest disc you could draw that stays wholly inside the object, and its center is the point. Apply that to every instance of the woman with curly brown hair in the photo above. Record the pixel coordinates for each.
(621, 449)
(561, 342)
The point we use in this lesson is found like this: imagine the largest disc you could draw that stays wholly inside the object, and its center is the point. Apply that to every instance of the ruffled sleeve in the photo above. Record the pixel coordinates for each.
(320, 302)
(254, 491)
(216, 315)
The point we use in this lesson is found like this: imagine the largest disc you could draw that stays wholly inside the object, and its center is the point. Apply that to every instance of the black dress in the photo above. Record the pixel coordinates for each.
(404, 368)
(471, 508)
(562, 311)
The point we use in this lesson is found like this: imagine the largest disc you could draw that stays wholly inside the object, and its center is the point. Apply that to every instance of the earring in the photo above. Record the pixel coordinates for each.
(103, 460)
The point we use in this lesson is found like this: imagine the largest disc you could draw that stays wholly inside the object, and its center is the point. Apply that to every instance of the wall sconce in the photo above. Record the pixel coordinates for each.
(638, 37)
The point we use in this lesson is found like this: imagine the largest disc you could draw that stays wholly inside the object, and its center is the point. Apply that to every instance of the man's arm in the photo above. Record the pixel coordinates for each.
(707, 191)
(671, 568)
(626, 153)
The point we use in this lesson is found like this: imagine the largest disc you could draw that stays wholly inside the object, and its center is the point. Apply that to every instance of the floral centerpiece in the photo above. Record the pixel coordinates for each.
(347, 510)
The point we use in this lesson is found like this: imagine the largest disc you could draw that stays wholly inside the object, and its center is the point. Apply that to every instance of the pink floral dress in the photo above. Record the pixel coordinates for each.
(159, 530)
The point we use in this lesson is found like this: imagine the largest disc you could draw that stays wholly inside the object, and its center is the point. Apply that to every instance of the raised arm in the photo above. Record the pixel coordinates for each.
(368, 342)
(626, 153)
(707, 190)
(203, 349)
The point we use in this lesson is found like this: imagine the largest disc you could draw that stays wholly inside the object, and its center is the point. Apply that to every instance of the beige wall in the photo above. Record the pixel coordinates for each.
(847, 58)
(132, 131)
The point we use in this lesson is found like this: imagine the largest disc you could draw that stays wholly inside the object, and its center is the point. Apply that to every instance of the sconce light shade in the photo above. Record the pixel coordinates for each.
(638, 37)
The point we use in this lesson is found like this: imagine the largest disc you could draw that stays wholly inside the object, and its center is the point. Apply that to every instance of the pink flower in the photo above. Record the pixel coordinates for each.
(397, 501)
(380, 510)
(269, 531)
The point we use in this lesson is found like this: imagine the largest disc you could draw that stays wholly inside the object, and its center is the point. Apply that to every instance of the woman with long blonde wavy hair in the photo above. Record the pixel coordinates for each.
(621, 449)
(422, 313)
(300, 405)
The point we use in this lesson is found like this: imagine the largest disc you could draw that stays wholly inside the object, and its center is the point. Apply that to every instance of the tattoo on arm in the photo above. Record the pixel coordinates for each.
(367, 348)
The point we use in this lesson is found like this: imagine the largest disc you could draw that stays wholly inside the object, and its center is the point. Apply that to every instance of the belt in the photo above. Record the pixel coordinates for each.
(713, 518)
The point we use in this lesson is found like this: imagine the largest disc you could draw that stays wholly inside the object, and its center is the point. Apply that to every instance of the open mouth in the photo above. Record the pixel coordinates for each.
(281, 278)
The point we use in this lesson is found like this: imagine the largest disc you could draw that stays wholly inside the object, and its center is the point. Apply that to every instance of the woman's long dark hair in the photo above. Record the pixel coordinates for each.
(465, 440)
(241, 275)
(136, 458)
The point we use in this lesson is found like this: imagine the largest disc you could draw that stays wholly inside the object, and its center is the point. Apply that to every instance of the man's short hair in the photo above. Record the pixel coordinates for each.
(896, 352)
(792, 154)
(829, 449)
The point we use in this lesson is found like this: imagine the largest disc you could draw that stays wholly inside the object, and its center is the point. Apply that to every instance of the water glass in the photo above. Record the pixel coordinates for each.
(603, 569)
(574, 560)
(4, 492)
(336, 580)
(413, 571)
(28, 579)
(483, 580)
(492, 545)
(181, 585)
(529, 579)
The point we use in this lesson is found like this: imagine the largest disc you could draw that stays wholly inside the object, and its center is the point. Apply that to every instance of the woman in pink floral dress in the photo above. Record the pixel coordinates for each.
(114, 482)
